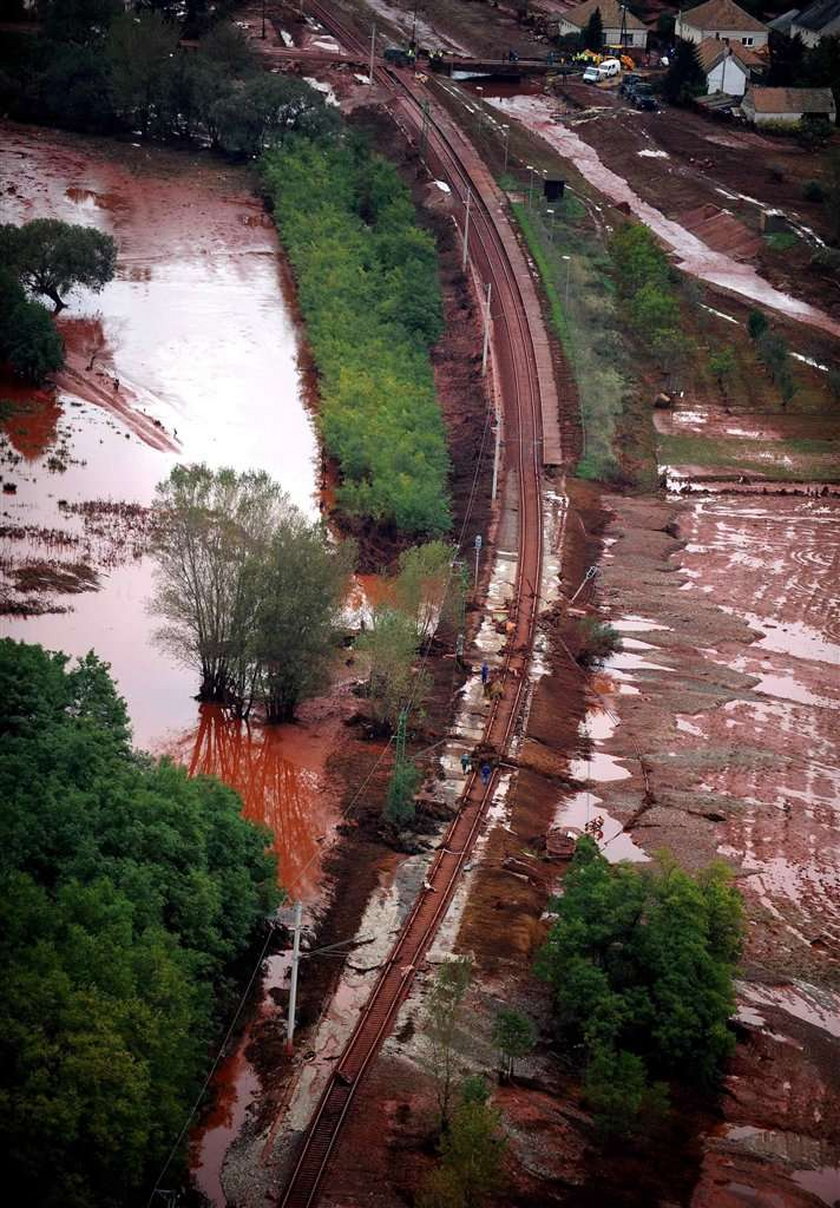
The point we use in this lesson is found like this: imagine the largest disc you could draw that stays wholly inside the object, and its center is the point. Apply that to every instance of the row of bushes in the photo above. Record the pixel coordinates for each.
(643, 274)
(369, 292)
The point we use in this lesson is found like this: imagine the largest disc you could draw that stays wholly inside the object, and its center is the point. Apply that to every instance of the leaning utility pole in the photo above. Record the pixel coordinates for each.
(290, 1021)
(486, 347)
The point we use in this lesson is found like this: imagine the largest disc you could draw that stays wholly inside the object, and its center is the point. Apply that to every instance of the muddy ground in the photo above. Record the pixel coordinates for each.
(711, 733)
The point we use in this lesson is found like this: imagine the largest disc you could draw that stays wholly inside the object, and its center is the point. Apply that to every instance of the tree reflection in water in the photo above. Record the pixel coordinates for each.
(275, 770)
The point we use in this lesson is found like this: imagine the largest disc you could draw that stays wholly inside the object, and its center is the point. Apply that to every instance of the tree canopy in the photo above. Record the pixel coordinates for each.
(593, 35)
(129, 893)
(249, 590)
(684, 78)
(368, 288)
(29, 341)
(50, 257)
(641, 963)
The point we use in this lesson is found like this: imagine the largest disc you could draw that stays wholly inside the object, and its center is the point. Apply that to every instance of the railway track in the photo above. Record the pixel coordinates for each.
(528, 395)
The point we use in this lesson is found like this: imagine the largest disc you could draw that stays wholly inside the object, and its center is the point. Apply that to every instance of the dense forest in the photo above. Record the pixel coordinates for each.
(130, 900)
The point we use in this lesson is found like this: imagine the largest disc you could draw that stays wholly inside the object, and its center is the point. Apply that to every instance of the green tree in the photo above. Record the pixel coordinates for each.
(264, 111)
(684, 79)
(127, 898)
(426, 589)
(388, 650)
(210, 525)
(51, 257)
(443, 1012)
(757, 324)
(722, 366)
(637, 258)
(593, 34)
(140, 51)
(402, 788)
(368, 289)
(774, 355)
(300, 583)
(471, 1150)
(641, 963)
(514, 1036)
(83, 22)
(786, 56)
(29, 341)
(249, 590)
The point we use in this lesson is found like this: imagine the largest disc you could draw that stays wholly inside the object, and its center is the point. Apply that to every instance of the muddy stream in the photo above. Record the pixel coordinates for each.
(190, 354)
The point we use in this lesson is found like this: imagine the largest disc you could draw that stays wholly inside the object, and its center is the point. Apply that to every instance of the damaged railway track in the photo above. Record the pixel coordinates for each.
(530, 414)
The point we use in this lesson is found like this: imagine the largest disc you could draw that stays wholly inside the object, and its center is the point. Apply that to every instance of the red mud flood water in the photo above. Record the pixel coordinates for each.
(190, 354)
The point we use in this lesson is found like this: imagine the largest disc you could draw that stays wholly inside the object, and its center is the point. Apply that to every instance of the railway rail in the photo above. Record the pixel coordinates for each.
(528, 397)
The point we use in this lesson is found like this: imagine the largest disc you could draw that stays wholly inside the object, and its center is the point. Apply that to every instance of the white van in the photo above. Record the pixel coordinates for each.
(609, 67)
(591, 76)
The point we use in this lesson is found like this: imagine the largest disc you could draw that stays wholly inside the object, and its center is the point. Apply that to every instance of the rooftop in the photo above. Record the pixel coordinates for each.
(610, 15)
(816, 16)
(721, 14)
(712, 50)
(791, 100)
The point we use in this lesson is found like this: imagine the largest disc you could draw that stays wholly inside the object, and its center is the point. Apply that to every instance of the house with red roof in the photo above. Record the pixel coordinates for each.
(720, 19)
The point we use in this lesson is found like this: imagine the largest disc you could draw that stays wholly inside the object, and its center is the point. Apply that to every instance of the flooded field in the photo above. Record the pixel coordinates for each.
(730, 741)
(190, 354)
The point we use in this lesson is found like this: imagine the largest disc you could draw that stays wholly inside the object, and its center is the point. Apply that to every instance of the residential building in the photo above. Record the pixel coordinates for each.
(787, 105)
(720, 19)
(621, 27)
(820, 20)
(728, 66)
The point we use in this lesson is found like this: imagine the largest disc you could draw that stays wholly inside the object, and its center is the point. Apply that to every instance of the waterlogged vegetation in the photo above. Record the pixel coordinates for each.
(641, 963)
(130, 898)
(249, 590)
(369, 292)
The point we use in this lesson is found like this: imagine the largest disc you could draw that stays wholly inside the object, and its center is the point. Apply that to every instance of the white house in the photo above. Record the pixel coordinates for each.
(720, 19)
(787, 105)
(621, 27)
(820, 20)
(727, 66)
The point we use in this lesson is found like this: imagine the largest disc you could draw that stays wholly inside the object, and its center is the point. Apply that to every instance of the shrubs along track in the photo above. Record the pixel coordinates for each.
(368, 289)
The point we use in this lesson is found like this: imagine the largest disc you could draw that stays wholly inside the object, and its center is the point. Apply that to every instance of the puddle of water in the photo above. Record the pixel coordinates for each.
(580, 811)
(688, 727)
(694, 256)
(815, 1005)
(823, 1183)
(634, 624)
(791, 637)
(599, 767)
(626, 661)
(786, 687)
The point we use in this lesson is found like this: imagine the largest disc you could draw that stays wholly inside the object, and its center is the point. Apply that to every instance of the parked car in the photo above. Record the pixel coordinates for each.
(591, 76)
(627, 83)
(643, 101)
